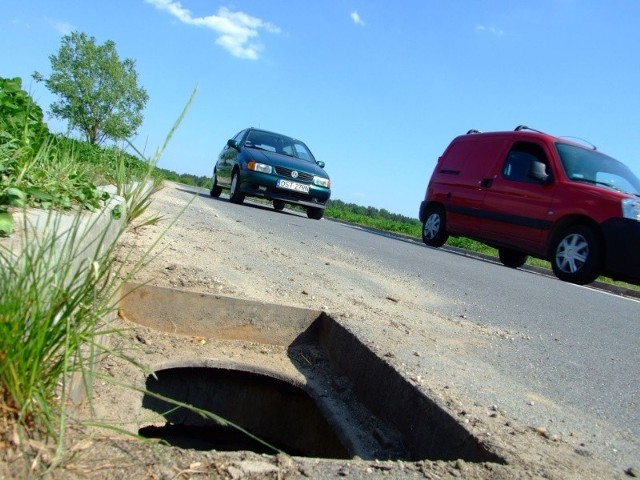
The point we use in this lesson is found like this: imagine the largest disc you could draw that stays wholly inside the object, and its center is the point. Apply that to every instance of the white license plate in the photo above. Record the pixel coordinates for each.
(298, 187)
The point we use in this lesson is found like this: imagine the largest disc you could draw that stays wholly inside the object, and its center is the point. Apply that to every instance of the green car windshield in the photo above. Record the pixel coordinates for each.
(272, 142)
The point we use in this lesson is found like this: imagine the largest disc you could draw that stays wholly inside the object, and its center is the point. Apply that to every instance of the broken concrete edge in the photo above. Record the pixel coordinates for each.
(422, 420)
(93, 234)
(234, 318)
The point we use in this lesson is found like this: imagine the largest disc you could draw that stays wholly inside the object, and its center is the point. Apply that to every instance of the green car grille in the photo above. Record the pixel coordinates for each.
(286, 172)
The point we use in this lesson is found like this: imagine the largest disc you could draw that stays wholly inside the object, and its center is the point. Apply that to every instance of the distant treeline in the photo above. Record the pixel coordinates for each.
(369, 211)
(186, 178)
(373, 217)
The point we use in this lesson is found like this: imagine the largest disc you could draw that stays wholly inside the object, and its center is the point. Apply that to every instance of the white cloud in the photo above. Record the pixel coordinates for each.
(492, 30)
(237, 32)
(355, 16)
(63, 27)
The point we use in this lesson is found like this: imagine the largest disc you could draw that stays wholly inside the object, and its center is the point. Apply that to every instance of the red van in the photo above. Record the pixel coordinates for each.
(528, 193)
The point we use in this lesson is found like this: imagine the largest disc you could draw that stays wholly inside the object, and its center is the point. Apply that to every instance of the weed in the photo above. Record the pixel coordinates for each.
(55, 295)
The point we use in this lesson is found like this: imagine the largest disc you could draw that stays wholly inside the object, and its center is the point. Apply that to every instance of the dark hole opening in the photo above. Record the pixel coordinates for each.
(277, 412)
(210, 437)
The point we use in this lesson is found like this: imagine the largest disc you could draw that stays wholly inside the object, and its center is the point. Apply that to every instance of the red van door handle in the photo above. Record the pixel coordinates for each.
(486, 182)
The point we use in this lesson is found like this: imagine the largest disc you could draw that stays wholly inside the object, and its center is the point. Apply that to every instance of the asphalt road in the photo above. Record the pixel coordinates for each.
(579, 369)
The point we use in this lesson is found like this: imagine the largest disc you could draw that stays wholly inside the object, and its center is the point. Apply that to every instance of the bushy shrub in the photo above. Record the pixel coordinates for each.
(21, 120)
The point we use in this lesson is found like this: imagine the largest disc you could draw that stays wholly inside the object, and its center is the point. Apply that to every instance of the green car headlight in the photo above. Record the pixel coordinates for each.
(259, 167)
(322, 182)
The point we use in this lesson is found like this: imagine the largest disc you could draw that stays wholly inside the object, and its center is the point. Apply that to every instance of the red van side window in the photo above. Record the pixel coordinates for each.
(519, 160)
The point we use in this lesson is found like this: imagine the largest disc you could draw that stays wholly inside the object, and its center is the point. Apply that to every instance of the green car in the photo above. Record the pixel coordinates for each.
(258, 163)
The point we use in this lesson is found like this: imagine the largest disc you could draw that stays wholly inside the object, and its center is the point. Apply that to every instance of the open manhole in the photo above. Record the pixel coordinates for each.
(343, 400)
(277, 412)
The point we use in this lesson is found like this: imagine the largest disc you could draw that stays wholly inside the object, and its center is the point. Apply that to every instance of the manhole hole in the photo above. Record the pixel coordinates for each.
(343, 400)
(279, 413)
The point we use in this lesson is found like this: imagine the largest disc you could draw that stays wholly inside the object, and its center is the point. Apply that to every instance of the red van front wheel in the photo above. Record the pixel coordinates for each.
(434, 232)
(577, 255)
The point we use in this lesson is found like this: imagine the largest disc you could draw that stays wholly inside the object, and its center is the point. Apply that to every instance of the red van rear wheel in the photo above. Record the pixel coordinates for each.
(434, 232)
(577, 255)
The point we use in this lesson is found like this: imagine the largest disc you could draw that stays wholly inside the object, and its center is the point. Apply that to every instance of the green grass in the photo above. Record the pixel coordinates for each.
(42, 170)
(62, 174)
(54, 293)
(54, 298)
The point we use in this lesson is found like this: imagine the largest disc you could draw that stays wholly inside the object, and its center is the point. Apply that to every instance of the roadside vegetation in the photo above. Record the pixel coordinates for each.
(55, 293)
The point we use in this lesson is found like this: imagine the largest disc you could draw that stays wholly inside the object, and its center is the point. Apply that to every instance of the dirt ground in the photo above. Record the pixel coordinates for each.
(199, 253)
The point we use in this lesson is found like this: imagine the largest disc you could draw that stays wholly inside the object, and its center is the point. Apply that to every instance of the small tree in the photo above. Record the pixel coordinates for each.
(99, 94)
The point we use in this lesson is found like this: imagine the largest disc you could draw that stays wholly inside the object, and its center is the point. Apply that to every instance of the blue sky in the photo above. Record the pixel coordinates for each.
(376, 89)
